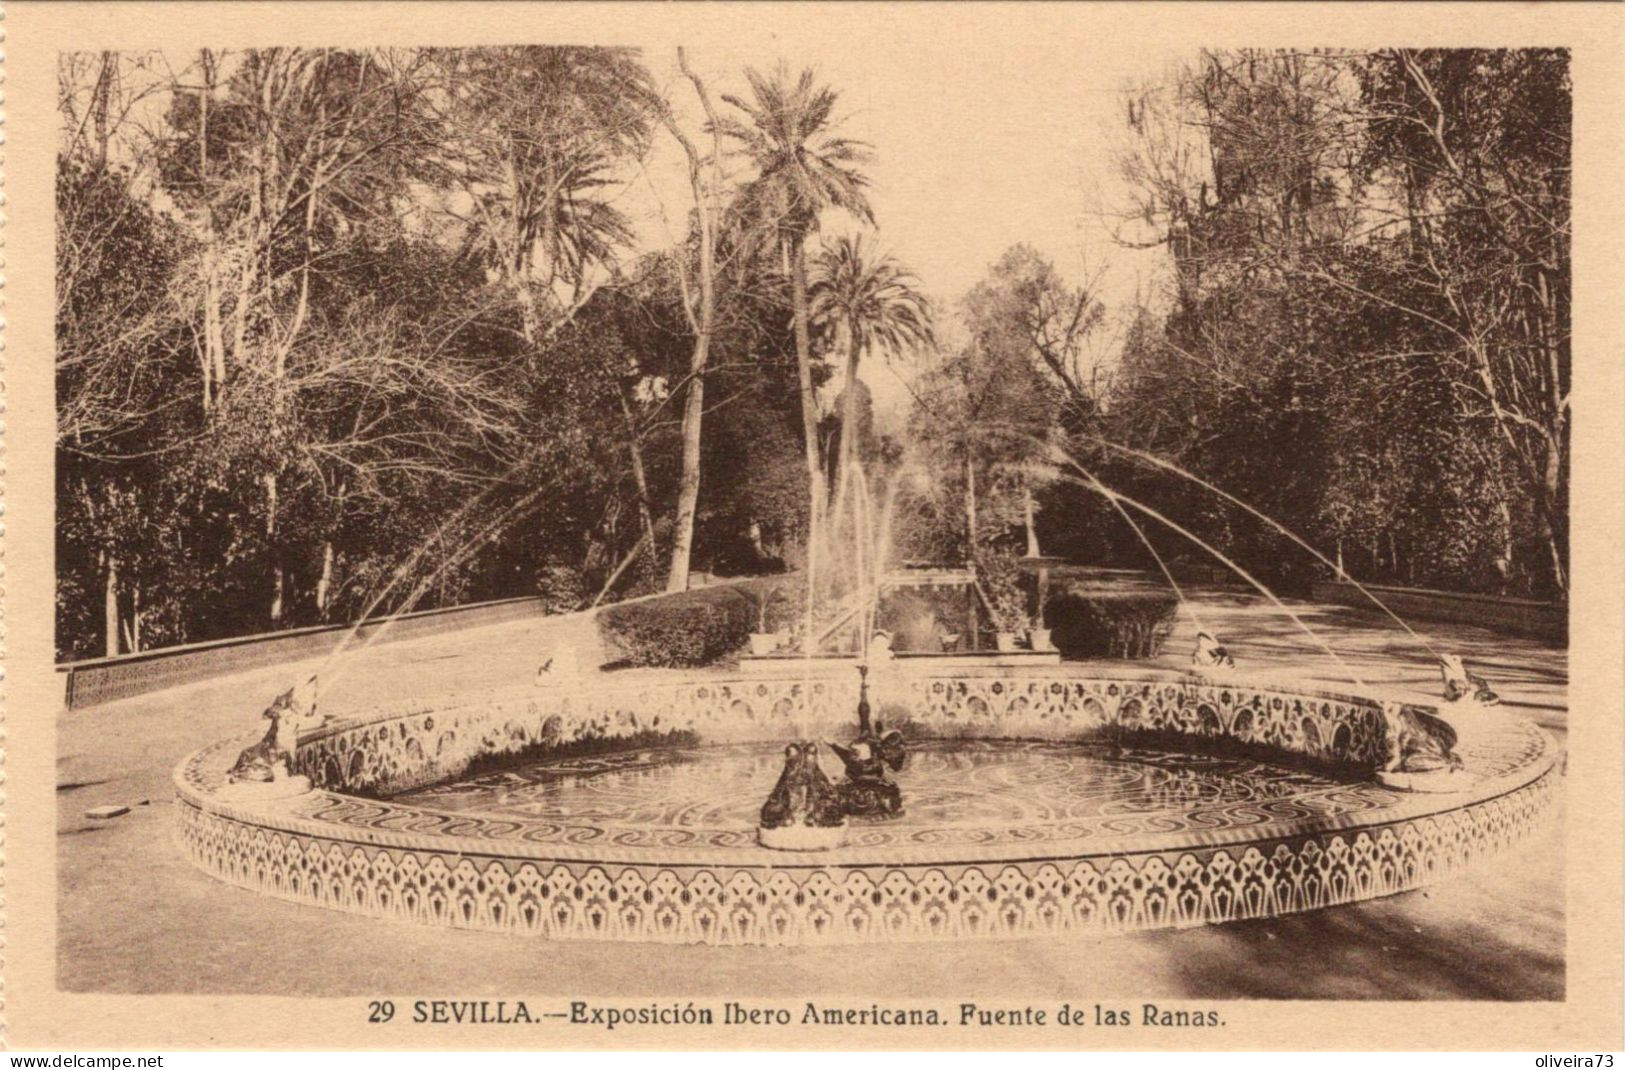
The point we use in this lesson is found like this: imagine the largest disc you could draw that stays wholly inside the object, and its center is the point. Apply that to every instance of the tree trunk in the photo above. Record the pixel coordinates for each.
(324, 585)
(1032, 529)
(703, 321)
(110, 615)
(214, 340)
(970, 508)
(132, 629)
(849, 421)
(797, 257)
(631, 555)
(639, 473)
(276, 594)
(688, 490)
(530, 318)
(1554, 544)
(101, 103)
(1553, 520)
(271, 547)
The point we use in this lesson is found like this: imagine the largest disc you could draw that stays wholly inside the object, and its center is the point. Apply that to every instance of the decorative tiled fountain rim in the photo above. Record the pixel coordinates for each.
(285, 848)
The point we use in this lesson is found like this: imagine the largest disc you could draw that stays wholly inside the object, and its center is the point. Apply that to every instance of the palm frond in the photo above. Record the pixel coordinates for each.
(802, 167)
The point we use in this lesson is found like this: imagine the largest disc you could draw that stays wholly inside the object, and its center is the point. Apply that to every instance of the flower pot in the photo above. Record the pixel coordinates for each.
(763, 643)
(1006, 641)
(1041, 639)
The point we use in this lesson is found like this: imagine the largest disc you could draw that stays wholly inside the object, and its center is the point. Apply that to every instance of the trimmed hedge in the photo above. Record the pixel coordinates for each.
(687, 629)
(1116, 624)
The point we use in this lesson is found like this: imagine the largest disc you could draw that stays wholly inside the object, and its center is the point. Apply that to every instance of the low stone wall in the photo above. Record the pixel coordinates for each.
(97, 680)
(1547, 621)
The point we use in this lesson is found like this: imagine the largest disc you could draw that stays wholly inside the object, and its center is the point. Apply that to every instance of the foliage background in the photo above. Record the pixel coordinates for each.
(348, 331)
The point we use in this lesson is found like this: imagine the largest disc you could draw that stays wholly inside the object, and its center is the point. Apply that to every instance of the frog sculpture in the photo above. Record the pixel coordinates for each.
(1210, 655)
(803, 812)
(1462, 687)
(867, 791)
(266, 767)
(1421, 751)
(1470, 705)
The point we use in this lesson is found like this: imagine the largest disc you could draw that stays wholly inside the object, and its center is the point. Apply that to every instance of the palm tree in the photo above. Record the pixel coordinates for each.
(802, 169)
(867, 301)
(543, 134)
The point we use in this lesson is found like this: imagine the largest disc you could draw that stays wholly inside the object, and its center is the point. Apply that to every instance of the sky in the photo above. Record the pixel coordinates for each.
(975, 150)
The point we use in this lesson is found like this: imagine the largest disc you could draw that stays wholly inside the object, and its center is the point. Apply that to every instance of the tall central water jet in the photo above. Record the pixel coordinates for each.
(805, 810)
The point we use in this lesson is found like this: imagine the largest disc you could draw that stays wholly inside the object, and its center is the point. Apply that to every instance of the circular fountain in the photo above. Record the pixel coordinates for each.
(1039, 796)
(1038, 799)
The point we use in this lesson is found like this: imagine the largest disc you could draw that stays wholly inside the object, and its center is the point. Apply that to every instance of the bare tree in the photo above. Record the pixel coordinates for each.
(699, 305)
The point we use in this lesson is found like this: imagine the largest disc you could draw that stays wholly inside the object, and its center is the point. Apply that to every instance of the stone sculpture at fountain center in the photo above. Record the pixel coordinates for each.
(867, 791)
(803, 812)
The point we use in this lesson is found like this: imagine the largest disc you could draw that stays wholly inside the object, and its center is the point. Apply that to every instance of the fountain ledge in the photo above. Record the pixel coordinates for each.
(333, 849)
(842, 664)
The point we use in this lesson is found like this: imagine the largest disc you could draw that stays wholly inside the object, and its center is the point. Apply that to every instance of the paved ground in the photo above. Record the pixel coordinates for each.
(135, 916)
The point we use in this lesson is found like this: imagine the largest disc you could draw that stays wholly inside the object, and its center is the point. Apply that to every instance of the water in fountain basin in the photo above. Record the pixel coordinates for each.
(959, 792)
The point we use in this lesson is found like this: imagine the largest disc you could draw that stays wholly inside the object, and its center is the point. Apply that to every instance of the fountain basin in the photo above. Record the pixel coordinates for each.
(1027, 834)
(802, 837)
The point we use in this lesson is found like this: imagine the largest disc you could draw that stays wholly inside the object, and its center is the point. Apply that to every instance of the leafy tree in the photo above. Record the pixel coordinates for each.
(979, 417)
(699, 304)
(1368, 329)
(1027, 313)
(530, 145)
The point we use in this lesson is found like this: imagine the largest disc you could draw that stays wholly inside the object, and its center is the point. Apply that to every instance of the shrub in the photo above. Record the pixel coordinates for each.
(1107, 624)
(561, 588)
(688, 629)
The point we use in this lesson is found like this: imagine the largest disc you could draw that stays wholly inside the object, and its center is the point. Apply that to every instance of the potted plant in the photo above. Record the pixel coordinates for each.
(1006, 601)
(775, 610)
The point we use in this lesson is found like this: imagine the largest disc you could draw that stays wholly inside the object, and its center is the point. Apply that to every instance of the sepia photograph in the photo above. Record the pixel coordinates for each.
(860, 535)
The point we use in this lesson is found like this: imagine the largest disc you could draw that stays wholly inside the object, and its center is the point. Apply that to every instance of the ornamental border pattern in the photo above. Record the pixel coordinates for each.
(731, 905)
(412, 745)
(285, 849)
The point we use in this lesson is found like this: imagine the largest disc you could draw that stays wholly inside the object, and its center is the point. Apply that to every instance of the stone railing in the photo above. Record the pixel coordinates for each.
(96, 680)
(1527, 617)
